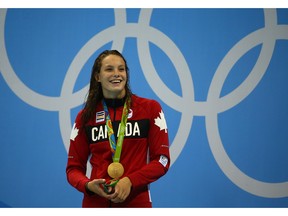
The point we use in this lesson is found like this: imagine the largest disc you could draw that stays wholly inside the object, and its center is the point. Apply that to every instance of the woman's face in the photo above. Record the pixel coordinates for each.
(113, 77)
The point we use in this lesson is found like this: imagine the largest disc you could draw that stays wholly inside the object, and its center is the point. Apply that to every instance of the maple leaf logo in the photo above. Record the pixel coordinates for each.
(74, 132)
(161, 122)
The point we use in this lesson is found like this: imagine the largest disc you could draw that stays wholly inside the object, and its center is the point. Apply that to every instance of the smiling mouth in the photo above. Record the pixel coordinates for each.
(116, 81)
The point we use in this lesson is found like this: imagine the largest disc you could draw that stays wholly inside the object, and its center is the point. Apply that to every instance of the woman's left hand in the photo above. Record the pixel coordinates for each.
(122, 190)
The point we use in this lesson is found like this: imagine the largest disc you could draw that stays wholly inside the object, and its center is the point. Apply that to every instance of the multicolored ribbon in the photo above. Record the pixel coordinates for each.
(116, 148)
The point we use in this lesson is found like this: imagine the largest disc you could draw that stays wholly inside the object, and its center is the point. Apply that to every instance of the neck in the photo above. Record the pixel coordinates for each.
(119, 95)
(115, 102)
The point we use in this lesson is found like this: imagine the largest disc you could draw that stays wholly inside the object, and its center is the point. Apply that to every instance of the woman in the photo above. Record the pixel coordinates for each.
(124, 136)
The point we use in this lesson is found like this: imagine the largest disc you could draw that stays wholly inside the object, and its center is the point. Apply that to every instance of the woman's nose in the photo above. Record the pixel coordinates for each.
(116, 73)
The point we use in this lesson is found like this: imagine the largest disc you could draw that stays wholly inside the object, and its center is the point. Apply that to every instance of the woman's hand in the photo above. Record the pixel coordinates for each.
(122, 190)
(96, 186)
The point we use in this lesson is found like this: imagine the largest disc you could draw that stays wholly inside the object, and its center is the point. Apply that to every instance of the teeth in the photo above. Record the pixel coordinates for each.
(116, 81)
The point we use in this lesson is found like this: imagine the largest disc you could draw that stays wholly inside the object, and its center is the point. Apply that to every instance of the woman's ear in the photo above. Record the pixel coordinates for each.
(97, 77)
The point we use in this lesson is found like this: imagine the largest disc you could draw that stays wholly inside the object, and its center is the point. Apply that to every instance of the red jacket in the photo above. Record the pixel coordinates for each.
(145, 150)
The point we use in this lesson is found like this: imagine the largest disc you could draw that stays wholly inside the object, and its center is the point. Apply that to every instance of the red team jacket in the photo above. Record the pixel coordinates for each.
(145, 150)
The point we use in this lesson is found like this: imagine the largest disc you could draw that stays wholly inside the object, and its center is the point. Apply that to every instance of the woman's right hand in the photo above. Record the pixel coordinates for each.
(96, 186)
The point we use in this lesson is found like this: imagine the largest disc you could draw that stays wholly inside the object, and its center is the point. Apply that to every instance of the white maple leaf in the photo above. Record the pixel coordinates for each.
(161, 122)
(74, 132)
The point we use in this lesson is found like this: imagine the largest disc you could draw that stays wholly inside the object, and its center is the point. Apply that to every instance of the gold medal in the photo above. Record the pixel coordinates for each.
(115, 170)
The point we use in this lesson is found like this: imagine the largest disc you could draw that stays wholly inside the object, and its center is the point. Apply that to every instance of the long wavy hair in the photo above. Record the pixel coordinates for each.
(95, 94)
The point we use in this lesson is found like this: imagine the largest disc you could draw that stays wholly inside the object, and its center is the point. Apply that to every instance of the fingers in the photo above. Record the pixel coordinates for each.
(118, 197)
(116, 194)
(98, 181)
(96, 186)
(122, 190)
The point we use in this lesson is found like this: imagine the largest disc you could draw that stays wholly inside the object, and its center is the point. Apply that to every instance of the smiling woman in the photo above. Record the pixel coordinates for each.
(112, 77)
(140, 131)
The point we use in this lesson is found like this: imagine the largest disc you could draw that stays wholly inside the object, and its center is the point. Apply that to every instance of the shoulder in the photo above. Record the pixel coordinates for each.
(146, 106)
(144, 102)
(79, 115)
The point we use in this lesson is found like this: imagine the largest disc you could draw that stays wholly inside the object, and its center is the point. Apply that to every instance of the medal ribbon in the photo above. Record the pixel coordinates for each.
(116, 148)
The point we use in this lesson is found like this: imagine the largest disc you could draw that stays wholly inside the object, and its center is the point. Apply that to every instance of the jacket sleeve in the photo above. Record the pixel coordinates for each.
(78, 155)
(159, 156)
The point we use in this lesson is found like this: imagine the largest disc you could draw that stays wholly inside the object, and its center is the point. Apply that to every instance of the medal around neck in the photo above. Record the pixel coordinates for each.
(115, 170)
